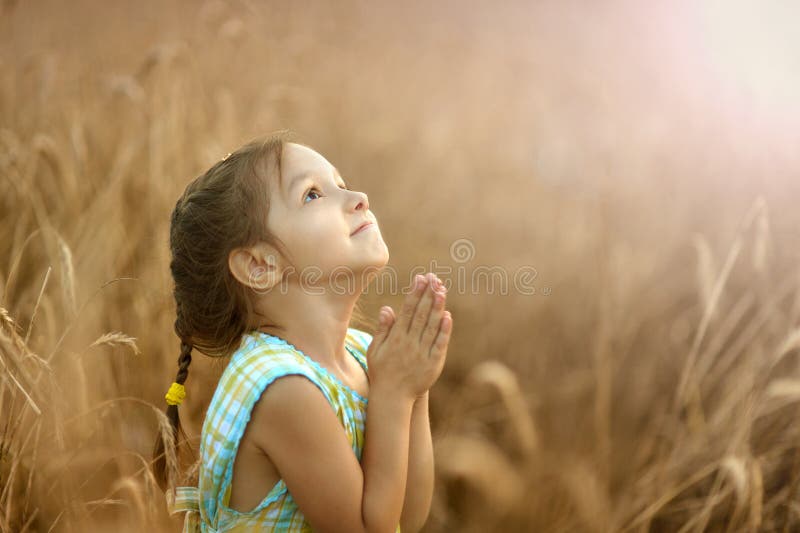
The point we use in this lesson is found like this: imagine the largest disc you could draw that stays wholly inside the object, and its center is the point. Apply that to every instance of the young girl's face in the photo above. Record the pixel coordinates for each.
(316, 217)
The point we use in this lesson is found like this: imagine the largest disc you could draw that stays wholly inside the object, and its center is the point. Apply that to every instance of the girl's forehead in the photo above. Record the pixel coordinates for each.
(300, 161)
(301, 158)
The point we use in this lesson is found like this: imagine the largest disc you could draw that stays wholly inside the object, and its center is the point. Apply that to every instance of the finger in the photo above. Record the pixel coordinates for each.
(423, 311)
(391, 319)
(385, 320)
(439, 348)
(434, 320)
(410, 304)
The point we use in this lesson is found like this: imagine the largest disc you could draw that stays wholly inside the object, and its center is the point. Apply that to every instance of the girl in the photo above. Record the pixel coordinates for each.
(314, 425)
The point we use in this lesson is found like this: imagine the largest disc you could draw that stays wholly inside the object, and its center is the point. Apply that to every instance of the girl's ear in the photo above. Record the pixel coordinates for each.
(259, 267)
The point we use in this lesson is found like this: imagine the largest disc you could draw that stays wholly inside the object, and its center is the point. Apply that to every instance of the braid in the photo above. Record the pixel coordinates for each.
(184, 360)
(164, 471)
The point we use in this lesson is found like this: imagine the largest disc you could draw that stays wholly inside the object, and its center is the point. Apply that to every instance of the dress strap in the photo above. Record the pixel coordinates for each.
(359, 341)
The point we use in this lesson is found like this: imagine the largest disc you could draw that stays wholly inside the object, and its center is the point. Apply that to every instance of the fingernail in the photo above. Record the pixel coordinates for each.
(382, 317)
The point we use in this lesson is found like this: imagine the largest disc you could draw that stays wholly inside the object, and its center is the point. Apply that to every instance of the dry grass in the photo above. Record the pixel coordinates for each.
(654, 388)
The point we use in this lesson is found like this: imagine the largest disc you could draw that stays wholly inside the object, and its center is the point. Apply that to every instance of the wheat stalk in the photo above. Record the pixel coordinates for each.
(117, 338)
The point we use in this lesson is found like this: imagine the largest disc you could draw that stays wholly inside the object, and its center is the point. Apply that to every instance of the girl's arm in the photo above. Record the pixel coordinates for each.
(384, 458)
(296, 428)
(419, 486)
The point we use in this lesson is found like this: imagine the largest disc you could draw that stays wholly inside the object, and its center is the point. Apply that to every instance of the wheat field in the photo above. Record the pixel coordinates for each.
(642, 169)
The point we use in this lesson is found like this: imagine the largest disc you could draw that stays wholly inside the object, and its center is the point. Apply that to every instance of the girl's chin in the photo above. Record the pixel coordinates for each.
(377, 257)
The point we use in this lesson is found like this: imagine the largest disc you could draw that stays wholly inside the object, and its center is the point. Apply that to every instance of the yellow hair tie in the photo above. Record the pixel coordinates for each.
(175, 394)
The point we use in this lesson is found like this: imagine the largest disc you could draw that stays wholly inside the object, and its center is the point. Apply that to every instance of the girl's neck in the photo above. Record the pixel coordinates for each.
(316, 324)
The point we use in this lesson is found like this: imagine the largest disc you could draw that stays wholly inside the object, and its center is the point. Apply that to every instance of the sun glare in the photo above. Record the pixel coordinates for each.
(754, 49)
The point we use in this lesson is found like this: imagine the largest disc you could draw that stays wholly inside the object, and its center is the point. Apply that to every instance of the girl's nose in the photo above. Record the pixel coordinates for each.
(360, 201)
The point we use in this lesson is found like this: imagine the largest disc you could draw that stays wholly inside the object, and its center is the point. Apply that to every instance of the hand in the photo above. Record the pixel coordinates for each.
(407, 353)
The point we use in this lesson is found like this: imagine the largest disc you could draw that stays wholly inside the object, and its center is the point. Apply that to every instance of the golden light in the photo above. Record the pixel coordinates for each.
(753, 53)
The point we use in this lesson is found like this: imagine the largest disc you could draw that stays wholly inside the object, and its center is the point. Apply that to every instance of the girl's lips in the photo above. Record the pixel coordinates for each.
(361, 228)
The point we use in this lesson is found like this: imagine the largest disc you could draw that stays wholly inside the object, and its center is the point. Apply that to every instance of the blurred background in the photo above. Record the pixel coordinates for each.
(641, 158)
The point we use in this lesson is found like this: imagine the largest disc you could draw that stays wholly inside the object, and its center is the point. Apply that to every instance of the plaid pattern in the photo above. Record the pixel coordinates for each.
(185, 500)
(260, 359)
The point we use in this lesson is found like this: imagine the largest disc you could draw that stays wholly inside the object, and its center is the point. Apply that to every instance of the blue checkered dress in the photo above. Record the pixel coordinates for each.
(260, 359)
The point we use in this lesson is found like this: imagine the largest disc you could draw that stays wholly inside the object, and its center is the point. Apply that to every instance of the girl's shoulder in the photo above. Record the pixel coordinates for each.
(257, 347)
(257, 342)
(261, 358)
(261, 355)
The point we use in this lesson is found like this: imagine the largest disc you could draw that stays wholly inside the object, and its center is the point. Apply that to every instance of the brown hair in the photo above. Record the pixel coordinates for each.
(224, 208)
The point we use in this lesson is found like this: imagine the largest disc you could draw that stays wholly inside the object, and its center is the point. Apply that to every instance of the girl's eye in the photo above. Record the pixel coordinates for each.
(309, 193)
